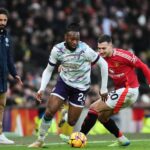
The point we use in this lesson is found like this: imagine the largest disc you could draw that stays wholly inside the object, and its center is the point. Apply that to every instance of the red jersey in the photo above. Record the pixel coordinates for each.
(122, 66)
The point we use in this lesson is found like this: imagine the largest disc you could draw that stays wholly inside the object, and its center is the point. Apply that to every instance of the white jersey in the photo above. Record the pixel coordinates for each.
(76, 65)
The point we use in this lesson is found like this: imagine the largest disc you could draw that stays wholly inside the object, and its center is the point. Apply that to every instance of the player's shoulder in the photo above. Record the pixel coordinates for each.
(84, 47)
(118, 50)
(122, 53)
(59, 48)
(59, 45)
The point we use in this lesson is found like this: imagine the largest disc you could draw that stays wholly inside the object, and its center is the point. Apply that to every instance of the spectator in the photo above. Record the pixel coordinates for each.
(6, 65)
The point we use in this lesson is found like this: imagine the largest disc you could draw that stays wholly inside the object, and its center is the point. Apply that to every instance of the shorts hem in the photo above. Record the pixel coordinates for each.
(76, 105)
(109, 105)
(58, 96)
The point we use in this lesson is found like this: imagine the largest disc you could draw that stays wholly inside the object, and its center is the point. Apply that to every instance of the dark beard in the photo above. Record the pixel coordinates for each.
(2, 30)
(70, 48)
(2, 27)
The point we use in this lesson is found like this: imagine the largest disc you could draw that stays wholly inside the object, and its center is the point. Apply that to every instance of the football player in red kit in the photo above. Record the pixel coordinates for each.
(121, 66)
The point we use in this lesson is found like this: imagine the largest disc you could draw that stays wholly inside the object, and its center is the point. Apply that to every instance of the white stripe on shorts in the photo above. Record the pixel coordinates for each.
(58, 96)
(76, 105)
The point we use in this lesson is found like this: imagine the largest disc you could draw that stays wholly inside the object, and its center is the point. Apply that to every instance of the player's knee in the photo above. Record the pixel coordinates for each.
(49, 114)
(71, 122)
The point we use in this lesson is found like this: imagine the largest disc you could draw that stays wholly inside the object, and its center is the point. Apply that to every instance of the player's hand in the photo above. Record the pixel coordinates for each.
(59, 68)
(39, 95)
(103, 96)
(18, 79)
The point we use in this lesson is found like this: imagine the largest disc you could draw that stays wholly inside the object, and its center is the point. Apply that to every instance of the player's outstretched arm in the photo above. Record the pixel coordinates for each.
(46, 76)
(45, 79)
(104, 77)
(132, 60)
(146, 71)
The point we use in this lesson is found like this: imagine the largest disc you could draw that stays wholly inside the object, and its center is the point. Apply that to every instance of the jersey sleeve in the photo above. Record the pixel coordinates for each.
(53, 57)
(104, 74)
(146, 71)
(91, 55)
(137, 63)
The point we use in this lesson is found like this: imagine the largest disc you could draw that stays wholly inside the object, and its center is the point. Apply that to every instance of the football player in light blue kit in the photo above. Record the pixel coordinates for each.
(73, 81)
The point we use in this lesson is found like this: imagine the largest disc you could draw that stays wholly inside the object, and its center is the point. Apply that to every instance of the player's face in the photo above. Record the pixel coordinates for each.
(72, 38)
(3, 21)
(105, 49)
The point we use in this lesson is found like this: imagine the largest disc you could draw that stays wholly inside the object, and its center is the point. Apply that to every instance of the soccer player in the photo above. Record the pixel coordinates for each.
(121, 68)
(122, 65)
(73, 81)
(6, 67)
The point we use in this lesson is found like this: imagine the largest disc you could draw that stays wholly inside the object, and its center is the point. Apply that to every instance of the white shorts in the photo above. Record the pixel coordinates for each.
(122, 98)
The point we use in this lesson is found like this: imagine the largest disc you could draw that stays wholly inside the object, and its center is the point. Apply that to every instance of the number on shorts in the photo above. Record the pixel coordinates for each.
(81, 97)
(114, 96)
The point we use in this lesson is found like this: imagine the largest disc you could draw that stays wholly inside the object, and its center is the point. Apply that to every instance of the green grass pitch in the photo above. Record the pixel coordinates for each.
(97, 142)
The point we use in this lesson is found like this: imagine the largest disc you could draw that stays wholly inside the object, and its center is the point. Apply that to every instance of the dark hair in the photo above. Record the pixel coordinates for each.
(74, 26)
(4, 11)
(104, 38)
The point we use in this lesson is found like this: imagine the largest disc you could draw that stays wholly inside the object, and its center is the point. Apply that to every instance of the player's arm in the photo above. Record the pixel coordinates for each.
(96, 59)
(46, 77)
(47, 73)
(146, 71)
(137, 63)
(104, 77)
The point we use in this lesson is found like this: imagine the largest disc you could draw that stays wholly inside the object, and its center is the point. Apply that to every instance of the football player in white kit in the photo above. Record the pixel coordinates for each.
(73, 81)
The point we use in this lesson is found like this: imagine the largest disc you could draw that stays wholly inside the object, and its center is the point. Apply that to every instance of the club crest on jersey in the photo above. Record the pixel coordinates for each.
(116, 64)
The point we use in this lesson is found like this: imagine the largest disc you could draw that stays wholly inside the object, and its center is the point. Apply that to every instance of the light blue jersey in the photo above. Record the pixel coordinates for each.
(76, 65)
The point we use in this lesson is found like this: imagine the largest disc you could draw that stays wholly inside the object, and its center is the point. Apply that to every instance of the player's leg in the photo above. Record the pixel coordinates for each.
(93, 95)
(117, 100)
(76, 104)
(95, 110)
(92, 115)
(3, 139)
(99, 106)
(108, 123)
(111, 126)
(73, 114)
(56, 100)
(91, 98)
(53, 105)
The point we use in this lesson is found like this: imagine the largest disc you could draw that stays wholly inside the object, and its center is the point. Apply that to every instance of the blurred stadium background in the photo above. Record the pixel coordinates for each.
(36, 25)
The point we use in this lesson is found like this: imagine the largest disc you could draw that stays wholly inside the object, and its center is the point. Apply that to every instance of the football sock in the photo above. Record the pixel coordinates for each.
(65, 117)
(89, 121)
(45, 124)
(111, 126)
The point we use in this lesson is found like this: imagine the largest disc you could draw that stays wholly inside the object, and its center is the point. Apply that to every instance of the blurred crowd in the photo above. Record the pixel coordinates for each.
(36, 25)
